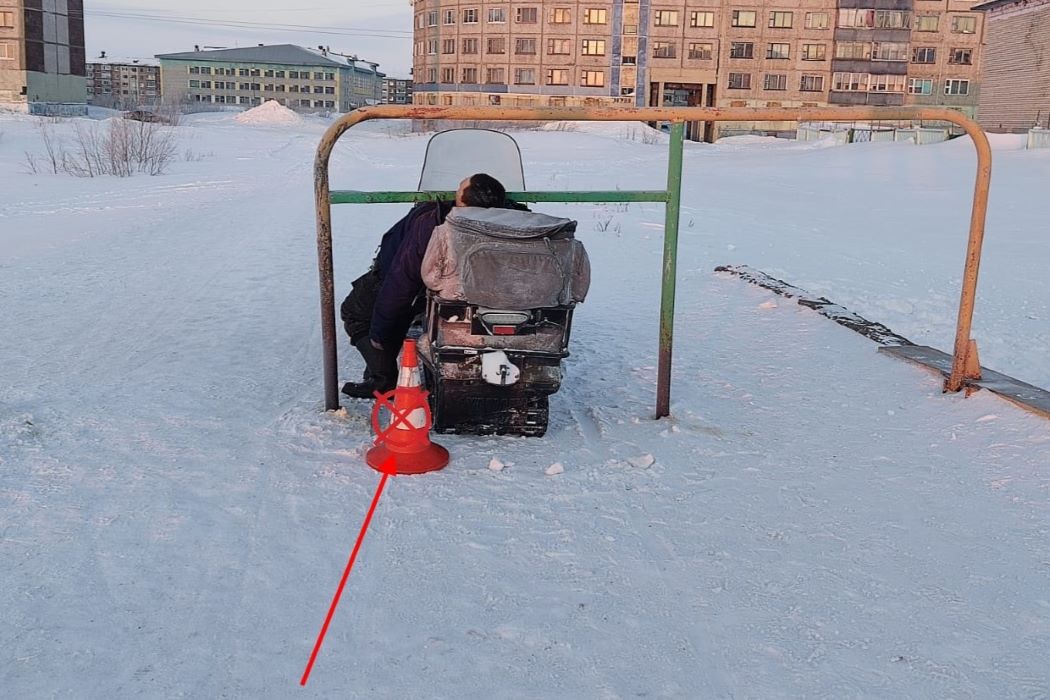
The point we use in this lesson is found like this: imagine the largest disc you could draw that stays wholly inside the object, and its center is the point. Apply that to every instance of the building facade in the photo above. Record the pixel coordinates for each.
(42, 66)
(1016, 68)
(723, 53)
(296, 77)
(123, 83)
(397, 91)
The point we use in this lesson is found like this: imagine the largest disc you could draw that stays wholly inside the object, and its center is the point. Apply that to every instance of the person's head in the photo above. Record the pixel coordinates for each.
(480, 190)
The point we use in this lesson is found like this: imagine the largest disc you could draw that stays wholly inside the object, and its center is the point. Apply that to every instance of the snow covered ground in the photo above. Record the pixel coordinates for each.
(816, 519)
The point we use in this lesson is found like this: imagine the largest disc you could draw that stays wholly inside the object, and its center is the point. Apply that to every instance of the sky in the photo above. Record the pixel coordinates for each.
(377, 30)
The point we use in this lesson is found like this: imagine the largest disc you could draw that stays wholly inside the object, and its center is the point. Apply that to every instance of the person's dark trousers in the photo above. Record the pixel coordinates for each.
(356, 312)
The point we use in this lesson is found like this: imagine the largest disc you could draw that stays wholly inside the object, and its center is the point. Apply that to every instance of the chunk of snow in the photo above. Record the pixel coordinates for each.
(496, 465)
(643, 462)
(556, 468)
(768, 305)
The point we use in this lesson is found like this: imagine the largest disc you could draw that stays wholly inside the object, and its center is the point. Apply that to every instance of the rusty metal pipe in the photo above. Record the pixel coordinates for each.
(672, 114)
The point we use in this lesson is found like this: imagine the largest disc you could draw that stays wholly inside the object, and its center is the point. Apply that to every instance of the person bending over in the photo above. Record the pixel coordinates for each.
(384, 301)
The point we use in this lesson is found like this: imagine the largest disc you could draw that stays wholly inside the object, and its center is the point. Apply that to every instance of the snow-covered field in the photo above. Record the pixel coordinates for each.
(817, 519)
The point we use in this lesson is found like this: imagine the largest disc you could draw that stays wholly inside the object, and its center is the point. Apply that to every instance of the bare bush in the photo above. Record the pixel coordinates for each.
(121, 147)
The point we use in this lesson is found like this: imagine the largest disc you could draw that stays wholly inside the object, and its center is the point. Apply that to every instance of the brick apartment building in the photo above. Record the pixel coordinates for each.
(720, 53)
(123, 83)
(42, 56)
(1016, 94)
(299, 78)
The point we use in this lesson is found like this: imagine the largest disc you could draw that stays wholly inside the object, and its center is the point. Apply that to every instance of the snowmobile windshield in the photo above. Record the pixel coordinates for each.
(458, 153)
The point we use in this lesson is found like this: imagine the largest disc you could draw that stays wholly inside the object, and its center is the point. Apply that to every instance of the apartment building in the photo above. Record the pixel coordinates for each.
(723, 53)
(42, 56)
(1016, 73)
(397, 91)
(296, 77)
(123, 83)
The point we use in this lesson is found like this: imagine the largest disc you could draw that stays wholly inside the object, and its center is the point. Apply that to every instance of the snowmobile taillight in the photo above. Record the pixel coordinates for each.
(504, 330)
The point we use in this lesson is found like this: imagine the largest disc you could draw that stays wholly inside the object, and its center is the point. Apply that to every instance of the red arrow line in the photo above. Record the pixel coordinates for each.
(388, 468)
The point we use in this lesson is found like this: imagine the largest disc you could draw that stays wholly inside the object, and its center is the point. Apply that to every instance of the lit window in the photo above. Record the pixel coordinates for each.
(557, 76)
(594, 16)
(927, 23)
(780, 20)
(889, 51)
(561, 15)
(817, 20)
(701, 19)
(743, 18)
(665, 18)
(558, 47)
(592, 78)
(593, 47)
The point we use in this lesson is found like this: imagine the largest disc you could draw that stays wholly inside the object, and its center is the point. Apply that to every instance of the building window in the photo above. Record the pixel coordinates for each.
(432, 49)
(630, 29)
(470, 46)
(206, 84)
(927, 23)
(813, 52)
(739, 81)
(665, 18)
(470, 75)
(561, 15)
(701, 19)
(743, 18)
(558, 47)
(195, 70)
(964, 24)
(663, 49)
(593, 47)
(817, 20)
(7, 20)
(920, 86)
(889, 51)
(775, 81)
(892, 19)
(293, 74)
(629, 60)
(448, 75)
(557, 76)
(924, 54)
(594, 16)
(850, 82)
(448, 46)
(496, 45)
(432, 18)
(470, 16)
(812, 83)
(268, 74)
(956, 87)
(525, 15)
(248, 86)
(887, 83)
(780, 20)
(276, 74)
(329, 90)
(741, 49)
(449, 17)
(592, 78)
(701, 51)
(778, 51)
(495, 76)
(853, 50)
(525, 47)
(524, 76)
(961, 57)
(195, 83)
(432, 77)
(318, 89)
(497, 15)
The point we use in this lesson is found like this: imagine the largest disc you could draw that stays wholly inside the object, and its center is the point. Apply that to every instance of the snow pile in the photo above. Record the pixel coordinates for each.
(269, 113)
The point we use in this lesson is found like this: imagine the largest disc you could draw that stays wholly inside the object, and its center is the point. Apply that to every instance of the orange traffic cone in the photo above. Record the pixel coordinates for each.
(405, 440)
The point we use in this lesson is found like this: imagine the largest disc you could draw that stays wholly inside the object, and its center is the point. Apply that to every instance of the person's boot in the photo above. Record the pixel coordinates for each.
(380, 372)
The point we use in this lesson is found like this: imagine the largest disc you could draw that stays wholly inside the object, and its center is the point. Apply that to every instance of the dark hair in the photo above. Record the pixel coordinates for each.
(484, 191)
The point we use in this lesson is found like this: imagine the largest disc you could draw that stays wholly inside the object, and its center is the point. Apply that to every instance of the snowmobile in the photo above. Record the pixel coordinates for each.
(497, 322)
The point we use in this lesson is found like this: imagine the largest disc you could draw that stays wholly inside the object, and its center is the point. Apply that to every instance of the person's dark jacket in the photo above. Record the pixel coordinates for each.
(398, 266)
